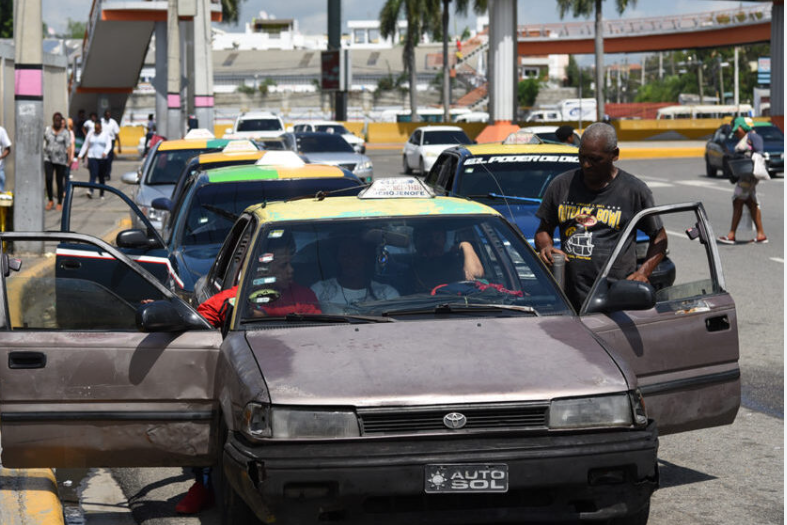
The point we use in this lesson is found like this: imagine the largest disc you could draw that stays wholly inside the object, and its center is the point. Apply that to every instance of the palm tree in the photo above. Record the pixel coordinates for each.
(585, 8)
(422, 16)
(479, 7)
(230, 10)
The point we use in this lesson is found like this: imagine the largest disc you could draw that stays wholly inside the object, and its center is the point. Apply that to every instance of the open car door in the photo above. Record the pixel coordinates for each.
(80, 386)
(683, 350)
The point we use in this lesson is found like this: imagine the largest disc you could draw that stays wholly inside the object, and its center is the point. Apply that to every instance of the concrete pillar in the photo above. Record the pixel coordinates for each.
(160, 82)
(203, 76)
(599, 52)
(27, 148)
(777, 64)
(502, 60)
(174, 118)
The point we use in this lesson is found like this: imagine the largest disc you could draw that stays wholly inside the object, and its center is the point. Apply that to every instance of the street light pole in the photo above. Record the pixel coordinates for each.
(721, 82)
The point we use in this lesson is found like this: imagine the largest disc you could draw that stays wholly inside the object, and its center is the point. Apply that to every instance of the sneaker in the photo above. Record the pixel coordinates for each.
(726, 240)
(89, 195)
(102, 197)
(197, 499)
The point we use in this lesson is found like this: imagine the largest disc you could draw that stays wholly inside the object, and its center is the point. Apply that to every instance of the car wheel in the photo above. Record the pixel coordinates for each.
(405, 166)
(710, 171)
(638, 518)
(421, 167)
(232, 508)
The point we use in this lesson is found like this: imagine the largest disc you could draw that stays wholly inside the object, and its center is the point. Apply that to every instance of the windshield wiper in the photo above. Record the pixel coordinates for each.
(322, 318)
(218, 211)
(447, 308)
(499, 196)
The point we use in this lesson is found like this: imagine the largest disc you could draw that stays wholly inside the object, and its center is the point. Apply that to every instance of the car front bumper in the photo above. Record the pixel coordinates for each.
(593, 477)
(365, 175)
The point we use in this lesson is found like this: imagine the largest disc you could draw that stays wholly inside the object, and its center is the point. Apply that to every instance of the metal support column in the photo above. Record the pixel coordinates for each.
(174, 119)
(502, 60)
(160, 82)
(335, 42)
(203, 58)
(777, 64)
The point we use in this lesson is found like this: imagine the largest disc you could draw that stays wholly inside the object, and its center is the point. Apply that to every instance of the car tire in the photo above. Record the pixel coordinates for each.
(638, 518)
(710, 171)
(232, 508)
(405, 166)
(421, 168)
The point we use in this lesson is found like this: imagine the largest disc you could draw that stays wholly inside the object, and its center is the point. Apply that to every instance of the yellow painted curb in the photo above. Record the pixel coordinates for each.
(29, 496)
(659, 153)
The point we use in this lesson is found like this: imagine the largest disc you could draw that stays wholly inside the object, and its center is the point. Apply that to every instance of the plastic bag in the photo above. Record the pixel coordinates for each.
(760, 169)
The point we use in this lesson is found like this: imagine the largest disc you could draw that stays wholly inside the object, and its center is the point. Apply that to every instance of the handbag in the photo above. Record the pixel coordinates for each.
(760, 170)
(74, 164)
(738, 168)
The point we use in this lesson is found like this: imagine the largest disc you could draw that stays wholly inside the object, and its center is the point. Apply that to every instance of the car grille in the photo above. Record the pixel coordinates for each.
(479, 418)
(349, 166)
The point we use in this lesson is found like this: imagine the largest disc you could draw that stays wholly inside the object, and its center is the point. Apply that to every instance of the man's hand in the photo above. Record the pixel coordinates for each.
(546, 254)
(637, 276)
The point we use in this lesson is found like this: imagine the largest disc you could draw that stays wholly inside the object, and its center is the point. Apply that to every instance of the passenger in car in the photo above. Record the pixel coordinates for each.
(434, 264)
(353, 285)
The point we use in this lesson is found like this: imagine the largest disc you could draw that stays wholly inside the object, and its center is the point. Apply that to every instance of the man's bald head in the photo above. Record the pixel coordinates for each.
(600, 133)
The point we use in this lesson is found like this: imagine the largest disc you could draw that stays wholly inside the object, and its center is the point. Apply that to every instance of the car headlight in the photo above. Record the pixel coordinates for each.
(263, 421)
(584, 412)
(367, 165)
(430, 154)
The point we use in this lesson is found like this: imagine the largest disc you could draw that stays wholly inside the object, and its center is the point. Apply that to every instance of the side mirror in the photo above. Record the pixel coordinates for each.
(137, 239)
(165, 316)
(162, 203)
(132, 177)
(624, 295)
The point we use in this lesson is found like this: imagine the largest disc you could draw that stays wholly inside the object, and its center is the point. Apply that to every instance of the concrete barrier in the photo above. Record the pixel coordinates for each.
(29, 497)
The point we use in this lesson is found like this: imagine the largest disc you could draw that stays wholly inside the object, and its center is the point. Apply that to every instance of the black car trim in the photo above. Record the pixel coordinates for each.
(680, 384)
(113, 415)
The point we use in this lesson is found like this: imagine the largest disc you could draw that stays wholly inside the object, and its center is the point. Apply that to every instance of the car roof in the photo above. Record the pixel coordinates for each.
(221, 156)
(257, 114)
(515, 149)
(355, 207)
(439, 128)
(321, 122)
(254, 172)
(539, 129)
(172, 145)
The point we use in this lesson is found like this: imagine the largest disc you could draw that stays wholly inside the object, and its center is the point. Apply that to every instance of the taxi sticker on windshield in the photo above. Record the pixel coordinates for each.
(521, 158)
(275, 234)
(263, 280)
(266, 258)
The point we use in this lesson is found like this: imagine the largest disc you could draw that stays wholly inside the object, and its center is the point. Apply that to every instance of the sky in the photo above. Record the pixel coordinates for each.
(312, 14)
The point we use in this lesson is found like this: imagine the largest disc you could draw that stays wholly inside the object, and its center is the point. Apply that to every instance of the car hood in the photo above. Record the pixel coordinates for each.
(335, 158)
(433, 362)
(522, 215)
(436, 149)
(147, 193)
(194, 262)
(352, 139)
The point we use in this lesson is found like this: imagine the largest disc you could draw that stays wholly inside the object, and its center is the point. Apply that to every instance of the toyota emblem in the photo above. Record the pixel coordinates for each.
(454, 420)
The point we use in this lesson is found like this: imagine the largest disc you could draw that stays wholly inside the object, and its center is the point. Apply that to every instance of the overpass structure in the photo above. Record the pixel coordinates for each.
(116, 41)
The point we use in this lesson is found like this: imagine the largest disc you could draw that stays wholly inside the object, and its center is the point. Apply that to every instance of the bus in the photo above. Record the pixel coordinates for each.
(704, 111)
(424, 114)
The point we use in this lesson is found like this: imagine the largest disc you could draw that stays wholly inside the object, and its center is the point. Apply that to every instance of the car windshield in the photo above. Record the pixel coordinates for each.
(272, 144)
(395, 269)
(769, 133)
(213, 208)
(446, 137)
(168, 165)
(511, 175)
(260, 124)
(332, 128)
(323, 143)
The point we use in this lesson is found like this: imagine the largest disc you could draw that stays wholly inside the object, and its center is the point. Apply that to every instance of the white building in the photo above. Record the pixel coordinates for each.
(267, 32)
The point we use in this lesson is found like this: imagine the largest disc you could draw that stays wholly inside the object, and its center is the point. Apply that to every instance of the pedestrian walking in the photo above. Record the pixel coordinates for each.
(96, 149)
(577, 203)
(150, 131)
(89, 124)
(745, 192)
(72, 165)
(5, 150)
(57, 142)
(113, 129)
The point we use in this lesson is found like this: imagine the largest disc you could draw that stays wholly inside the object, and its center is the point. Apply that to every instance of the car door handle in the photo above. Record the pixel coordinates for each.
(717, 324)
(70, 264)
(26, 360)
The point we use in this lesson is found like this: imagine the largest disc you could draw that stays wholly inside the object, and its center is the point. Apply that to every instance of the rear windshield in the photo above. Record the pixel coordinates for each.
(324, 143)
(168, 165)
(213, 208)
(769, 132)
(511, 175)
(446, 137)
(331, 128)
(260, 124)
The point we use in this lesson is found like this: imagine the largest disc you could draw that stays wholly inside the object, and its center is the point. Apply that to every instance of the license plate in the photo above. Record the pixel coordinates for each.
(465, 478)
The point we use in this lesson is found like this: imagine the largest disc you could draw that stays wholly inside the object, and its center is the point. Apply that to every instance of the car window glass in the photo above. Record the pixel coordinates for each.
(373, 266)
(75, 286)
(238, 253)
(511, 175)
(446, 137)
(260, 124)
(168, 165)
(434, 174)
(323, 143)
(447, 171)
(417, 138)
(331, 128)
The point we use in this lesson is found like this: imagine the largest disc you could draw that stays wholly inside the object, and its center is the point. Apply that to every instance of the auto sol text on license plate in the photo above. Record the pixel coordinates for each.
(466, 478)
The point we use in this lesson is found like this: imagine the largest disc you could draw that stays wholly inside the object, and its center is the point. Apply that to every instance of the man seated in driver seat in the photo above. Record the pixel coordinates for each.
(274, 292)
(434, 264)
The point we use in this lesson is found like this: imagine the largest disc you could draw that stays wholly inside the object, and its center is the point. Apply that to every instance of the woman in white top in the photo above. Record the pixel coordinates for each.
(96, 147)
(354, 285)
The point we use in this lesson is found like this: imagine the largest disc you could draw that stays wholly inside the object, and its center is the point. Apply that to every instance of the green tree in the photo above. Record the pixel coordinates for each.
(230, 9)
(422, 17)
(575, 75)
(6, 19)
(527, 91)
(586, 8)
(75, 29)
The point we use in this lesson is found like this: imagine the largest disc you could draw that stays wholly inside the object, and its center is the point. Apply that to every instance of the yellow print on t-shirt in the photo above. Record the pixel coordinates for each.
(610, 217)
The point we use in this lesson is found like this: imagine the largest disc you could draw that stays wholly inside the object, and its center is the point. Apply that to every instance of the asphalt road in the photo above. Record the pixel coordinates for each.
(729, 475)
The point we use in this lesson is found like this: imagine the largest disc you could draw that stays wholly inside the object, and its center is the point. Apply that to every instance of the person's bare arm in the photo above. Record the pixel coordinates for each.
(657, 250)
(5, 152)
(472, 266)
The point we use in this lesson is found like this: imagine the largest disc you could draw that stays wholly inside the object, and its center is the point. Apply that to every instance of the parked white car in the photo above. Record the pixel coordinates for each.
(426, 143)
(255, 125)
(330, 126)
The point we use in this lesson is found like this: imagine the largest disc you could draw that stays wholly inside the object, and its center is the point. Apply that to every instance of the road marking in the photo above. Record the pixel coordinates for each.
(706, 184)
(777, 259)
(652, 184)
(682, 235)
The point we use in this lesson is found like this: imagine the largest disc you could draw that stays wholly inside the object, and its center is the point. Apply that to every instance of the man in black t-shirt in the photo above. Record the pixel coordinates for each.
(592, 206)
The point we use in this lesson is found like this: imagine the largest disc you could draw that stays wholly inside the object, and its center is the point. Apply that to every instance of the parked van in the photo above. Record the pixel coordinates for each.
(704, 111)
